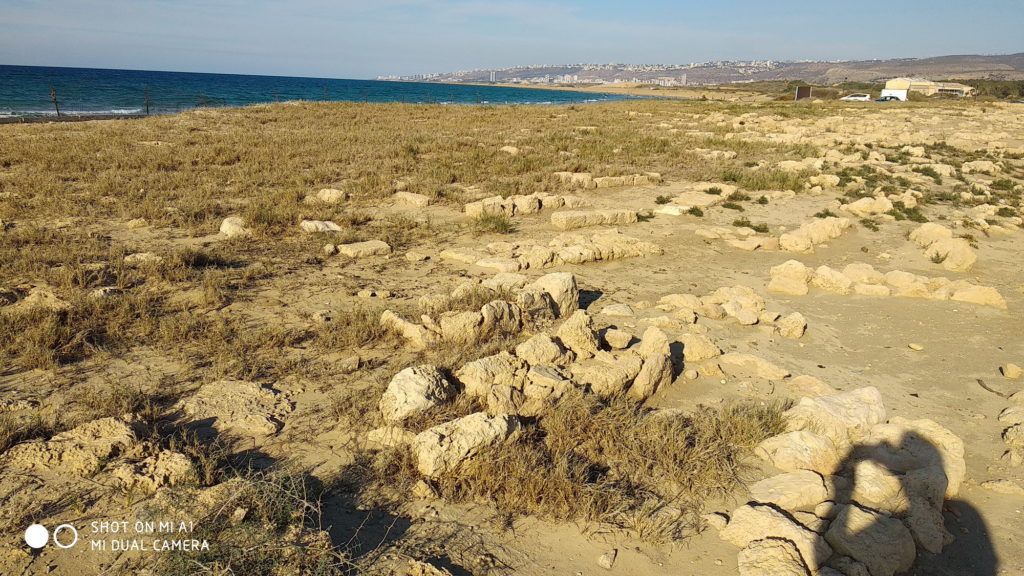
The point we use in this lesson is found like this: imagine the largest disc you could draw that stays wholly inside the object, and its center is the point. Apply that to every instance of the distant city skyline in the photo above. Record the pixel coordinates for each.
(348, 39)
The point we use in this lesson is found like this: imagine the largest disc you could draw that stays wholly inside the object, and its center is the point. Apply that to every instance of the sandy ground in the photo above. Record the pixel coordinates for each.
(852, 341)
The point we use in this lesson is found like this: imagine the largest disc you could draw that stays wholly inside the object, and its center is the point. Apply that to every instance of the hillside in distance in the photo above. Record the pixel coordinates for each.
(998, 67)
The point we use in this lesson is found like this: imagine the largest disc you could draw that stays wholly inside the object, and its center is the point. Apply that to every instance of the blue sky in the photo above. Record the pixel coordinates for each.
(363, 39)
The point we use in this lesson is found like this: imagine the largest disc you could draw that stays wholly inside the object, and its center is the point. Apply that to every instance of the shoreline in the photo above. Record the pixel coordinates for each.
(75, 118)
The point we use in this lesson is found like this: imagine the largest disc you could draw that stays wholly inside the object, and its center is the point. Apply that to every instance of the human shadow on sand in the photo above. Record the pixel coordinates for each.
(895, 512)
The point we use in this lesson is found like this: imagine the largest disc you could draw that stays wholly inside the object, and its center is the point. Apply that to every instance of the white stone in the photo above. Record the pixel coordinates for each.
(800, 450)
(751, 523)
(413, 391)
(880, 542)
(771, 557)
(234, 226)
(562, 288)
(577, 333)
(790, 277)
(799, 490)
(312, 226)
(363, 249)
(440, 450)
(792, 326)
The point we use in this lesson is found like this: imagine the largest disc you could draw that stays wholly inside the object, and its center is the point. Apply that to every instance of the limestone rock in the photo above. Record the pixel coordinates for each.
(237, 407)
(956, 254)
(792, 326)
(541, 349)
(868, 207)
(751, 523)
(925, 488)
(572, 219)
(790, 277)
(862, 273)
(735, 364)
(165, 468)
(799, 490)
(800, 450)
(842, 417)
(81, 450)
(466, 327)
(617, 339)
(502, 368)
(653, 343)
(501, 317)
(930, 233)
(698, 347)
(234, 226)
(418, 336)
(880, 542)
(687, 301)
(546, 382)
(578, 335)
(562, 288)
(655, 373)
(327, 196)
(771, 557)
(1011, 371)
(321, 226)
(819, 231)
(904, 445)
(1003, 486)
(878, 488)
(982, 295)
(622, 310)
(412, 199)
(413, 391)
(439, 450)
(363, 249)
(832, 280)
(845, 566)
(608, 374)
(607, 560)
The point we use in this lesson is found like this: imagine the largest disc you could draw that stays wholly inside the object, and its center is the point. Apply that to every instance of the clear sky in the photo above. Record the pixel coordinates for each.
(366, 38)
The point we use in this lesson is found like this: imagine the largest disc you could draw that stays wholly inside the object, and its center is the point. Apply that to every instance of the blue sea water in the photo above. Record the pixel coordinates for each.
(25, 91)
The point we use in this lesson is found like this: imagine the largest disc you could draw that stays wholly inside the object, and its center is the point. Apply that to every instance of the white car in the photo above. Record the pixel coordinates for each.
(857, 98)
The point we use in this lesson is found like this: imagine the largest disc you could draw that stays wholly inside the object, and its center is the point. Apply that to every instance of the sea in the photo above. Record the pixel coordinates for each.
(28, 92)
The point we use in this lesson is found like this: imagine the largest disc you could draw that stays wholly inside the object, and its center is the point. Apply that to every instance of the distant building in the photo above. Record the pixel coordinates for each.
(903, 86)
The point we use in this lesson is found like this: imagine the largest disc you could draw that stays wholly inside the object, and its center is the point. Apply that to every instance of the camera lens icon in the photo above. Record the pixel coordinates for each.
(36, 536)
(64, 536)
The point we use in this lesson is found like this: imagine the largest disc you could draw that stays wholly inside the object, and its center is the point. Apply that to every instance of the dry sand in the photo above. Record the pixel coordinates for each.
(852, 341)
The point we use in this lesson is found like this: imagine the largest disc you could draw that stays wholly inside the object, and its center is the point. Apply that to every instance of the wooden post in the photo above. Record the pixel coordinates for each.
(146, 95)
(56, 104)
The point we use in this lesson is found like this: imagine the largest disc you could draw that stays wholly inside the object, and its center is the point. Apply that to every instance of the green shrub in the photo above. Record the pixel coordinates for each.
(497, 223)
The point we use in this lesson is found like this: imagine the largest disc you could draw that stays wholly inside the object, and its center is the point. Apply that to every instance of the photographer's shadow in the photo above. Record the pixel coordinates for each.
(891, 498)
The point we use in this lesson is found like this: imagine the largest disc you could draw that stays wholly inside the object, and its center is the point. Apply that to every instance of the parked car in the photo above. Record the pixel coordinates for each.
(857, 98)
(889, 99)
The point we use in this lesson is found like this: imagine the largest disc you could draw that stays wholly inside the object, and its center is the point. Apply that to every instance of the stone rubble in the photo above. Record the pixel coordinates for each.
(793, 278)
(874, 488)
